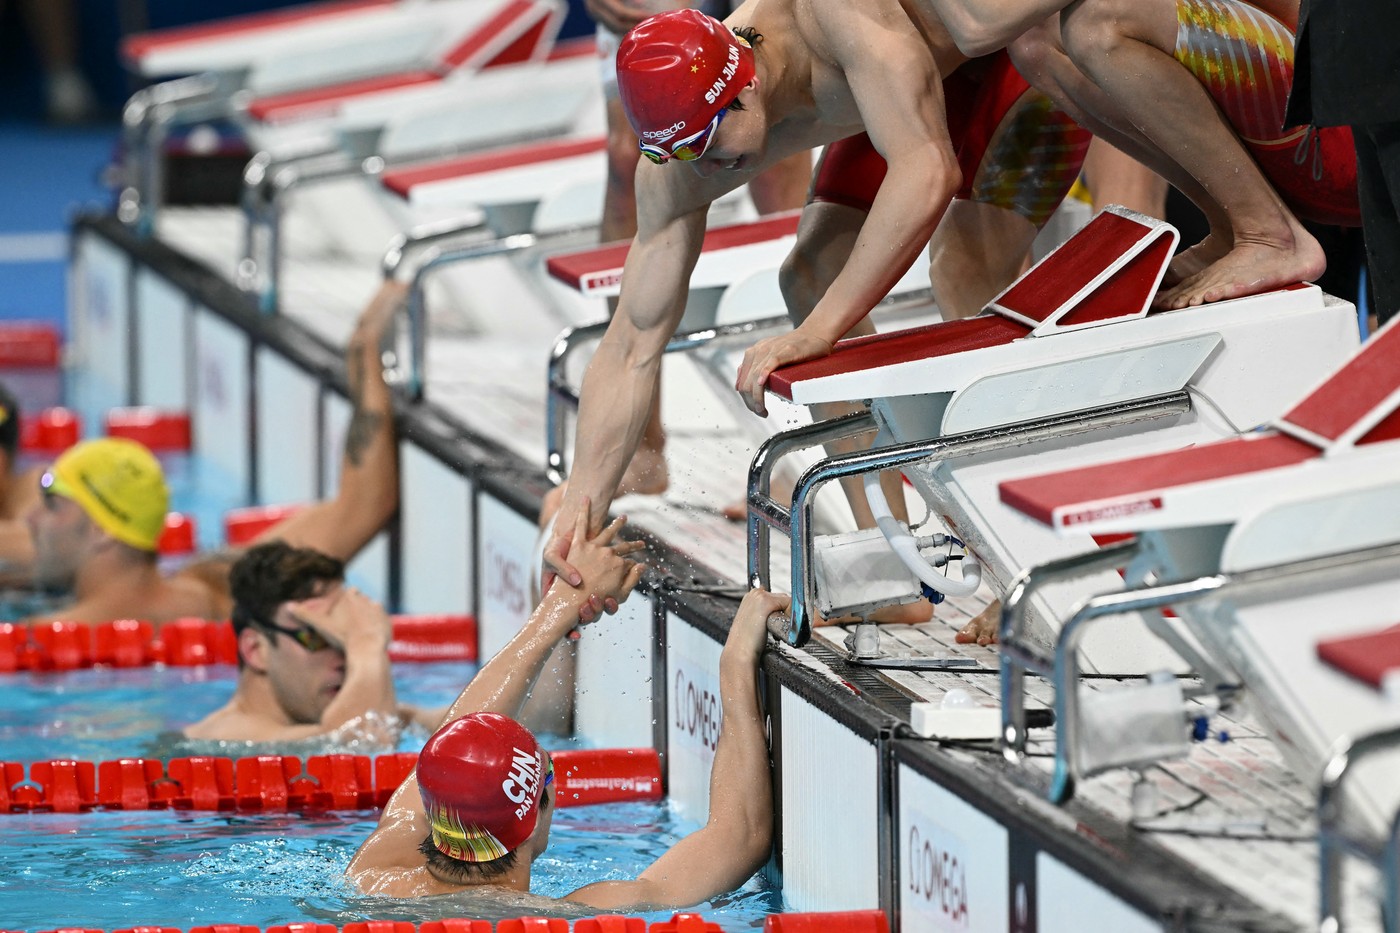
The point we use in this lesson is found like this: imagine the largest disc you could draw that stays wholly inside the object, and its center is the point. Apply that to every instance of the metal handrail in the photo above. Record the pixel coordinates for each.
(560, 394)
(1018, 656)
(147, 119)
(267, 180)
(417, 309)
(1335, 841)
(797, 521)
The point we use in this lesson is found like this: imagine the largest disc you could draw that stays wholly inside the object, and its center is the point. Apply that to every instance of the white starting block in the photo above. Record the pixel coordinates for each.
(1324, 481)
(518, 32)
(546, 186)
(1279, 551)
(1071, 346)
(306, 45)
(733, 290)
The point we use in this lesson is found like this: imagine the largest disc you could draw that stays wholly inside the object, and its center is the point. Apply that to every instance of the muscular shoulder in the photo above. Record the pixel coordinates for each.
(873, 33)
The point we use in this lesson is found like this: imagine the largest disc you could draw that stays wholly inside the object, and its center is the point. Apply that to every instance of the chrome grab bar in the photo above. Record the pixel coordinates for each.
(560, 394)
(1334, 840)
(147, 119)
(765, 514)
(1018, 656)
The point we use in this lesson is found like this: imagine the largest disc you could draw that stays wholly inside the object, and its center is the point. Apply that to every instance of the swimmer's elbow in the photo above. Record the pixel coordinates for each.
(972, 30)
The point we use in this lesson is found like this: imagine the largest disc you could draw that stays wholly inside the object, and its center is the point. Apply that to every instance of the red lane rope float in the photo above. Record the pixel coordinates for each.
(66, 646)
(679, 923)
(241, 526)
(29, 343)
(277, 783)
(49, 432)
(161, 431)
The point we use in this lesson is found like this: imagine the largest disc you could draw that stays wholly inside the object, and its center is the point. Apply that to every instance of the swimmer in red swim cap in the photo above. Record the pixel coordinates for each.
(476, 813)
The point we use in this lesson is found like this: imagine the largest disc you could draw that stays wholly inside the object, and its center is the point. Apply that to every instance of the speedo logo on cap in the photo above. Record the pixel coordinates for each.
(520, 785)
(666, 133)
(722, 82)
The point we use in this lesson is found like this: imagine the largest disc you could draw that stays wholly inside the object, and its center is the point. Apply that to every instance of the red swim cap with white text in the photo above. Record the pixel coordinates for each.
(676, 70)
(481, 778)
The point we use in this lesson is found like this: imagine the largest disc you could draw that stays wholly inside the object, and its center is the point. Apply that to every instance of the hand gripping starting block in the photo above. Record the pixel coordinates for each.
(1279, 551)
(1067, 366)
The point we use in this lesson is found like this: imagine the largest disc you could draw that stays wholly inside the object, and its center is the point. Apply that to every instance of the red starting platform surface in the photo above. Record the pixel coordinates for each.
(598, 271)
(1357, 406)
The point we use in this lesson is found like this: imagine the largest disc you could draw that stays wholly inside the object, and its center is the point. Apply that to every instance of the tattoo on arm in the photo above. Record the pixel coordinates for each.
(364, 426)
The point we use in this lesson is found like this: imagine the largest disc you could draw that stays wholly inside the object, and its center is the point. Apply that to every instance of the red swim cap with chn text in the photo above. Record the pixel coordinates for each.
(676, 70)
(481, 778)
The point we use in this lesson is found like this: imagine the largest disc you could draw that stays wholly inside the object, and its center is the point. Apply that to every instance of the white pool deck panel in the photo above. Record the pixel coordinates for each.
(1244, 818)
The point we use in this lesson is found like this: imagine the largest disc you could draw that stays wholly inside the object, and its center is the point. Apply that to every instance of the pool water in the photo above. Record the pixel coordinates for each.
(115, 869)
(111, 870)
(102, 714)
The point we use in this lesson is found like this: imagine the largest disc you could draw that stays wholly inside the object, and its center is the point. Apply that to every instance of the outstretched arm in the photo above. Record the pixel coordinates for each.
(620, 382)
(388, 861)
(736, 838)
(900, 98)
(504, 683)
(368, 493)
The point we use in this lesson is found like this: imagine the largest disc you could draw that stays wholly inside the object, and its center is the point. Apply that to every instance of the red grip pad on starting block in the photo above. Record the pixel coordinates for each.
(241, 526)
(161, 431)
(1366, 657)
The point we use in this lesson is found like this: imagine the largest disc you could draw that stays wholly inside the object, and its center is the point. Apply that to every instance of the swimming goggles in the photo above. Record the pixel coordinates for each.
(308, 638)
(688, 149)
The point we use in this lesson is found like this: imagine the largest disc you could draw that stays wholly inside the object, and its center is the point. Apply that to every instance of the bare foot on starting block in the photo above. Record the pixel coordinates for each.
(905, 614)
(1250, 267)
(1192, 261)
(983, 629)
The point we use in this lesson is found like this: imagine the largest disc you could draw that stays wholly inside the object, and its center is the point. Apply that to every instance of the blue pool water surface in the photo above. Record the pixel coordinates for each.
(113, 870)
(110, 870)
(102, 713)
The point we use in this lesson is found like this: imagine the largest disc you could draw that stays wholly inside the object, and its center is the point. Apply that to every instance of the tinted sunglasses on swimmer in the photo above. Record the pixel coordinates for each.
(308, 638)
(687, 149)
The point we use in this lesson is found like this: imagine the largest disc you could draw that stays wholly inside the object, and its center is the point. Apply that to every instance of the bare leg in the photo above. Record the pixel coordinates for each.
(1039, 56)
(825, 238)
(977, 250)
(1125, 48)
(1114, 177)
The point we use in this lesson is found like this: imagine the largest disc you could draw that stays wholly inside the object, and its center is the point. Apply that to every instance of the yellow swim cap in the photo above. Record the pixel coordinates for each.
(119, 484)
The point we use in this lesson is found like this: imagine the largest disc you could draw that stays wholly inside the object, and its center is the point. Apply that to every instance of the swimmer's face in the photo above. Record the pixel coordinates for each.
(739, 142)
(303, 680)
(62, 536)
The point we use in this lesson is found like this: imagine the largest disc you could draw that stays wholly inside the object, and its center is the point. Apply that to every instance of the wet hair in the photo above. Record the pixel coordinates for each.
(9, 421)
(753, 37)
(274, 573)
(455, 871)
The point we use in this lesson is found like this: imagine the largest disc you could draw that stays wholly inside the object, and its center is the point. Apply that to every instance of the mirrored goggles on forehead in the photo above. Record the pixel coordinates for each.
(687, 149)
